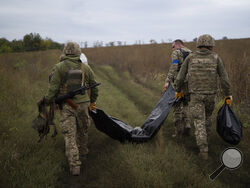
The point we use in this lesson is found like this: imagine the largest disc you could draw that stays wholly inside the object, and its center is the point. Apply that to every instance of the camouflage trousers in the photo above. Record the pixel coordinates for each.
(181, 116)
(74, 125)
(201, 108)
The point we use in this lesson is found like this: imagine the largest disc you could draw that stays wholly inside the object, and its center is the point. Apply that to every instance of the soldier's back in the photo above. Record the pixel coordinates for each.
(202, 72)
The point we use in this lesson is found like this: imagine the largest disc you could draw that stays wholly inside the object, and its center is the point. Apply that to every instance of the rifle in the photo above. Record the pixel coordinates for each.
(68, 96)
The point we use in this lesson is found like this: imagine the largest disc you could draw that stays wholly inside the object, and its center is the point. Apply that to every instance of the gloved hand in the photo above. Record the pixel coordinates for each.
(92, 106)
(179, 95)
(228, 100)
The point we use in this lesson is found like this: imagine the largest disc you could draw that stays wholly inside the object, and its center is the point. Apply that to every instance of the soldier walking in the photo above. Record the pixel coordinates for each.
(70, 74)
(181, 117)
(202, 69)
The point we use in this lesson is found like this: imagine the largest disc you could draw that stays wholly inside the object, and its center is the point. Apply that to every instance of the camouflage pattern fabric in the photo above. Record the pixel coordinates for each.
(201, 108)
(83, 123)
(202, 69)
(72, 48)
(177, 60)
(205, 40)
(181, 117)
(180, 110)
(58, 83)
(74, 126)
(74, 123)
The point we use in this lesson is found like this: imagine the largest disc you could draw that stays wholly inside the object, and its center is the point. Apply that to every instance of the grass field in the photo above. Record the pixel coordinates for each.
(162, 162)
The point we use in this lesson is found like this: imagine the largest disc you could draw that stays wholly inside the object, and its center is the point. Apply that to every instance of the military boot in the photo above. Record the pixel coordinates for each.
(75, 170)
(204, 155)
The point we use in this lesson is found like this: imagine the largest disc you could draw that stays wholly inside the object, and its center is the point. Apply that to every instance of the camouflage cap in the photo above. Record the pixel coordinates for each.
(72, 48)
(205, 40)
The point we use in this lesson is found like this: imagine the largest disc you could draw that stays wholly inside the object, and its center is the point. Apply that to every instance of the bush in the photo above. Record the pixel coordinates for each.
(30, 42)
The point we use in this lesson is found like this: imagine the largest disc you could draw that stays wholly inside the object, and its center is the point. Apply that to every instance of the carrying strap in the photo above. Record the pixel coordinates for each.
(83, 74)
(184, 53)
(82, 68)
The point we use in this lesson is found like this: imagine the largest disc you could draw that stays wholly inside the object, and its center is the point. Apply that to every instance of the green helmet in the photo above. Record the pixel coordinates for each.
(72, 48)
(205, 40)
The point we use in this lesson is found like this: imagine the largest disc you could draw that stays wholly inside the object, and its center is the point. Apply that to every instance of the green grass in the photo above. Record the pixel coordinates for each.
(142, 97)
(162, 162)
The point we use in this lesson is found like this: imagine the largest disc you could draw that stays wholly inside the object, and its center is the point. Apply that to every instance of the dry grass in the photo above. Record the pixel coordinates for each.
(128, 94)
(147, 62)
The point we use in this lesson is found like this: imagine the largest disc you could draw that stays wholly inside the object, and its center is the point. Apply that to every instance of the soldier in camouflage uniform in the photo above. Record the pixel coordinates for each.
(69, 74)
(181, 117)
(202, 69)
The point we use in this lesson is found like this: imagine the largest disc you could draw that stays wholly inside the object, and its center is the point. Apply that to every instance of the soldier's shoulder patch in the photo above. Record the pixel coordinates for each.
(175, 61)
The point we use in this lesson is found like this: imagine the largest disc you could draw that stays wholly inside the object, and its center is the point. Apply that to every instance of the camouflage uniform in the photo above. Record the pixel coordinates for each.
(180, 109)
(74, 124)
(202, 69)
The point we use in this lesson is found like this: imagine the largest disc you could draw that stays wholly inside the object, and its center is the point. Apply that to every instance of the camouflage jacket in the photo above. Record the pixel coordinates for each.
(202, 69)
(57, 85)
(177, 60)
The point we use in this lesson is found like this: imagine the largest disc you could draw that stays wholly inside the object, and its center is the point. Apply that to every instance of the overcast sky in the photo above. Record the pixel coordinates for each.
(124, 20)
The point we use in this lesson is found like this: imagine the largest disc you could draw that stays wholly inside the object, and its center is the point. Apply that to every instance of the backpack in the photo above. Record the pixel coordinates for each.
(184, 55)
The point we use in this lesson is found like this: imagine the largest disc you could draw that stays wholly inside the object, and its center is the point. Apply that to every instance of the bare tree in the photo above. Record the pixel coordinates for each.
(85, 44)
(152, 41)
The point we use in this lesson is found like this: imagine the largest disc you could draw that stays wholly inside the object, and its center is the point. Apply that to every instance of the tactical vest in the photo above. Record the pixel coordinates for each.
(74, 78)
(202, 74)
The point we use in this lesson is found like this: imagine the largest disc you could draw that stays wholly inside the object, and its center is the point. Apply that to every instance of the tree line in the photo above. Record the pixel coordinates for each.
(30, 42)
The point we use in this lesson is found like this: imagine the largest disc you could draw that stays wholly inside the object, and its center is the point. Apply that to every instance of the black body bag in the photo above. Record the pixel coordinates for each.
(121, 131)
(229, 126)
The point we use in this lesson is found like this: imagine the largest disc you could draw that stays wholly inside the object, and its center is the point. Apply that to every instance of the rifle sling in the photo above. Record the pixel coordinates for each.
(82, 68)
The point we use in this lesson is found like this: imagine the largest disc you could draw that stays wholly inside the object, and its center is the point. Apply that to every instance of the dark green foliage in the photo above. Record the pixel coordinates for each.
(4, 46)
(30, 42)
(54, 45)
(17, 45)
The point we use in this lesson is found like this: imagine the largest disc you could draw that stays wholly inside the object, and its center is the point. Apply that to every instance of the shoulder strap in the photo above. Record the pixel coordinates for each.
(184, 53)
(82, 68)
